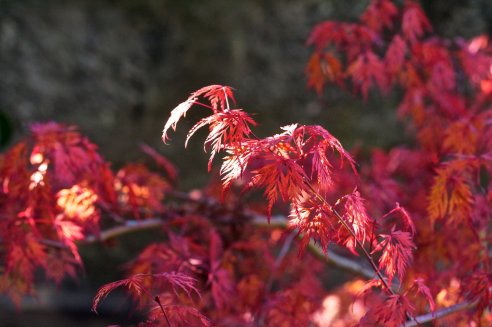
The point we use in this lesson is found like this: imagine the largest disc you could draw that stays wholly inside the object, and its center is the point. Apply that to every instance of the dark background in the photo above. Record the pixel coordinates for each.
(117, 68)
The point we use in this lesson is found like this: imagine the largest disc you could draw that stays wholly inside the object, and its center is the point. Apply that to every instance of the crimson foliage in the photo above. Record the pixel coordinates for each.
(413, 224)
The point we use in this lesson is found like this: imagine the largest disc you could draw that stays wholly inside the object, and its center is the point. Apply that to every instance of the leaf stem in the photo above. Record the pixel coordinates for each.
(425, 318)
(227, 100)
(203, 105)
(158, 301)
(359, 244)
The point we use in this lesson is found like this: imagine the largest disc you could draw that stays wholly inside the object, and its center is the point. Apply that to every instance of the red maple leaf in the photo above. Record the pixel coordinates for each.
(422, 289)
(313, 222)
(405, 219)
(367, 70)
(414, 22)
(396, 253)
(219, 278)
(357, 219)
(217, 95)
(391, 313)
(161, 161)
(227, 127)
(379, 14)
(395, 55)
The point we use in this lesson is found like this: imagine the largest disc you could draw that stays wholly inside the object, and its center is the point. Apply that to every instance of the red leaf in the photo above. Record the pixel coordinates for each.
(322, 68)
(395, 56)
(396, 256)
(325, 33)
(235, 163)
(136, 286)
(78, 203)
(476, 60)
(315, 73)
(313, 222)
(217, 95)
(318, 142)
(414, 22)
(133, 284)
(177, 315)
(392, 313)
(290, 308)
(357, 219)
(162, 161)
(176, 114)
(407, 222)
(219, 278)
(379, 14)
(423, 290)
(140, 190)
(73, 157)
(451, 195)
(280, 177)
(227, 129)
(368, 70)
(479, 288)
(179, 281)
(69, 232)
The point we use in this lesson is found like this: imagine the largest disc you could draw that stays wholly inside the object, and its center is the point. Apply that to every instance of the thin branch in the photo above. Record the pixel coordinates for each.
(328, 257)
(425, 318)
(279, 221)
(129, 227)
(132, 226)
(344, 263)
(158, 300)
(357, 241)
(341, 262)
(366, 254)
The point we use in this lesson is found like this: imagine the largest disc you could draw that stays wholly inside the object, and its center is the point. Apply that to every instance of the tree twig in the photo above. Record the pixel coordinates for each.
(158, 301)
(357, 241)
(428, 317)
(129, 227)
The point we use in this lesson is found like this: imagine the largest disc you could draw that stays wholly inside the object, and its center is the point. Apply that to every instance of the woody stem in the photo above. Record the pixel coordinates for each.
(158, 301)
(359, 243)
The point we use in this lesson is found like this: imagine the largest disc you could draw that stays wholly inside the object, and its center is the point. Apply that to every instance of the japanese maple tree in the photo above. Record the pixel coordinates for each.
(412, 225)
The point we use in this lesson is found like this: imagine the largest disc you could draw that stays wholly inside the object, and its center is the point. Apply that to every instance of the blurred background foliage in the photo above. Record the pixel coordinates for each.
(117, 68)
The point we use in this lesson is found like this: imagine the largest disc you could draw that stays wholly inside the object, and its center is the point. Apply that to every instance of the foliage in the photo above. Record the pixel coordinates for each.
(418, 218)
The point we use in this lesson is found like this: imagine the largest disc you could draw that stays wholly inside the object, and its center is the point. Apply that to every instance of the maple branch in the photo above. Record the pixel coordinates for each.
(366, 254)
(280, 221)
(359, 244)
(329, 257)
(341, 262)
(129, 227)
(428, 317)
